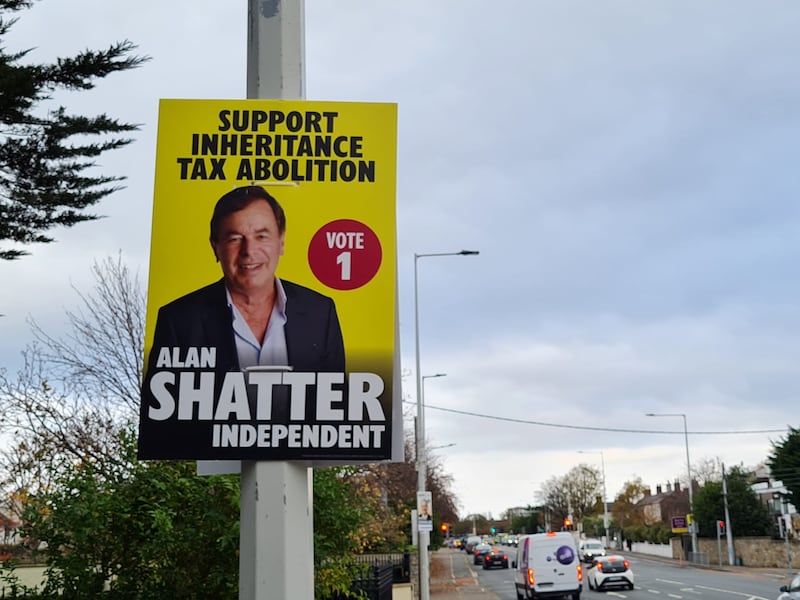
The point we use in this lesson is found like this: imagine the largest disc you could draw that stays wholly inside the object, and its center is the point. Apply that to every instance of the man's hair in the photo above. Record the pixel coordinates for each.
(239, 198)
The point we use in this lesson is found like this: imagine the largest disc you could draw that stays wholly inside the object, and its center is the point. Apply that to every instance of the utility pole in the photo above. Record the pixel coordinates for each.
(728, 534)
(276, 543)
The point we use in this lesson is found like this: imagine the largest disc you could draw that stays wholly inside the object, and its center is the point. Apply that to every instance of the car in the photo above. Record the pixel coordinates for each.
(472, 541)
(478, 551)
(494, 558)
(512, 540)
(791, 591)
(588, 550)
(610, 571)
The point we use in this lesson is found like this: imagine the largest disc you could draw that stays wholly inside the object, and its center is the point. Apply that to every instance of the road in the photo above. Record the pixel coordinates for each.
(659, 580)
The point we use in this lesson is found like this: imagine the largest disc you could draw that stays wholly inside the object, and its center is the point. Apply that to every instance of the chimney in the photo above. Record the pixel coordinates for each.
(669, 487)
(677, 486)
(658, 490)
(646, 492)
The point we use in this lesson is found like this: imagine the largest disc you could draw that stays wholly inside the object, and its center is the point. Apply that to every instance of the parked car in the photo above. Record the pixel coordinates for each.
(495, 558)
(791, 591)
(610, 571)
(588, 550)
(478, 552)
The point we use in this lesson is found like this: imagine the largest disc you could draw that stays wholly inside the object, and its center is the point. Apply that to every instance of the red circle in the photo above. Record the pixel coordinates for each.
(345, 254)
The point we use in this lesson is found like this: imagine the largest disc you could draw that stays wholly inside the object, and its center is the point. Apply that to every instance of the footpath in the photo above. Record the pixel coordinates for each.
(452, 579)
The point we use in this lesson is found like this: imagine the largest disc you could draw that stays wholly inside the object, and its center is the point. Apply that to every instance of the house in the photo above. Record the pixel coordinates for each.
(774, 495)
(668, 502)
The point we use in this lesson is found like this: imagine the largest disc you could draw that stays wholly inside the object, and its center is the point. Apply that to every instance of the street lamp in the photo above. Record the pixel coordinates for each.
(692, 526)
(421, 417)
(450, 445)
(605, 503)
(422, 464)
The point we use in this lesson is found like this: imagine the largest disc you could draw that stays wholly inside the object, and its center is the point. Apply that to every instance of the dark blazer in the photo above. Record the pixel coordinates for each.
(202, 318)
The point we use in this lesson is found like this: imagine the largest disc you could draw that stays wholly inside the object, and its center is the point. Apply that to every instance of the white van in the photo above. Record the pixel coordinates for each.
(547, 565)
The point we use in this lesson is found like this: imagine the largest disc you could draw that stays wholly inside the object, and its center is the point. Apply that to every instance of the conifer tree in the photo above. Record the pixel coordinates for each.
(46, 154)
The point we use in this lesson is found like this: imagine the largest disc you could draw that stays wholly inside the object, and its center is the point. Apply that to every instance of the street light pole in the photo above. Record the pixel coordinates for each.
(422, 461)
(421, 426)
(605, 502)
(692, 526)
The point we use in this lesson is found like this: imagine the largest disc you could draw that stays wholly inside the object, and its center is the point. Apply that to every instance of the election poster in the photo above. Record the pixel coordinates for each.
(271, 312)
(424, 511)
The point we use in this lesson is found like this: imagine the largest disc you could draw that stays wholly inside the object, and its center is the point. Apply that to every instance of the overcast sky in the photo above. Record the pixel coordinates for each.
(625, 168)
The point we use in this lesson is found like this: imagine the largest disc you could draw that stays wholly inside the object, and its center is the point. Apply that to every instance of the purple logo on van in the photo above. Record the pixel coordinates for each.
(565, 555)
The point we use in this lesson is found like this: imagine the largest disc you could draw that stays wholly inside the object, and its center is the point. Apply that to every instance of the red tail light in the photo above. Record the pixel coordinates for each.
(531, 578)
(627, 564)
(505, 556)
(580, 572)
(599, 566)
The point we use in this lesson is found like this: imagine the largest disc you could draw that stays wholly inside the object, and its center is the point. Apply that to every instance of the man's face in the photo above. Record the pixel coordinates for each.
(248, 248)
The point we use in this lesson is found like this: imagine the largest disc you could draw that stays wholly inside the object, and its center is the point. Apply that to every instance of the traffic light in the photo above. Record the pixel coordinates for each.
(720, 528)
(494, 530)
(444, 528)
(567, 525)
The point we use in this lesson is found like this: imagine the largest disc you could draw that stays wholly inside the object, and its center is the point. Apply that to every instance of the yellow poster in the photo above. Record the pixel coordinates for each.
(271, 301)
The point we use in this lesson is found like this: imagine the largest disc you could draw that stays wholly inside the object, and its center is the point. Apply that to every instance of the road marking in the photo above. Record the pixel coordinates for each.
(654, 591)
(748, 596)
(674, 596)
(690, 590)
(670, 581)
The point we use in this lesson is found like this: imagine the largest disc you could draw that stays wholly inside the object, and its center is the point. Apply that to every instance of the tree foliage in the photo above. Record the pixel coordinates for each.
(76, 395)
(532, 521)
(156, 530)
(575, 493)
(624, 511)
(784, 462)
(153, 529)
(46, 154)
(749, 517)
(350, 518)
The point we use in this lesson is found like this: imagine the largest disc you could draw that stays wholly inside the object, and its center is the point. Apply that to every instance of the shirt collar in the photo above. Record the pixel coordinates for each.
(280, 297)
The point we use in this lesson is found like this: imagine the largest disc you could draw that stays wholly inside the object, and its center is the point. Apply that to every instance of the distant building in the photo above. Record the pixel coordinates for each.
(518, 511)
(9, 525)
(668, 502)
(774, 495)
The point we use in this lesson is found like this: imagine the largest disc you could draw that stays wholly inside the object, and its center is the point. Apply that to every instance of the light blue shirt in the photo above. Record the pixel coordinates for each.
(273, 351)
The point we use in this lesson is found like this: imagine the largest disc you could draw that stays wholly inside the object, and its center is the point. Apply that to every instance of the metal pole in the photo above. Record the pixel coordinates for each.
(728, 532)
(693, 525)
(422, 460)
(693, 528)
(422, 468)
(276, 545)
(786, 524)
(605, 503)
